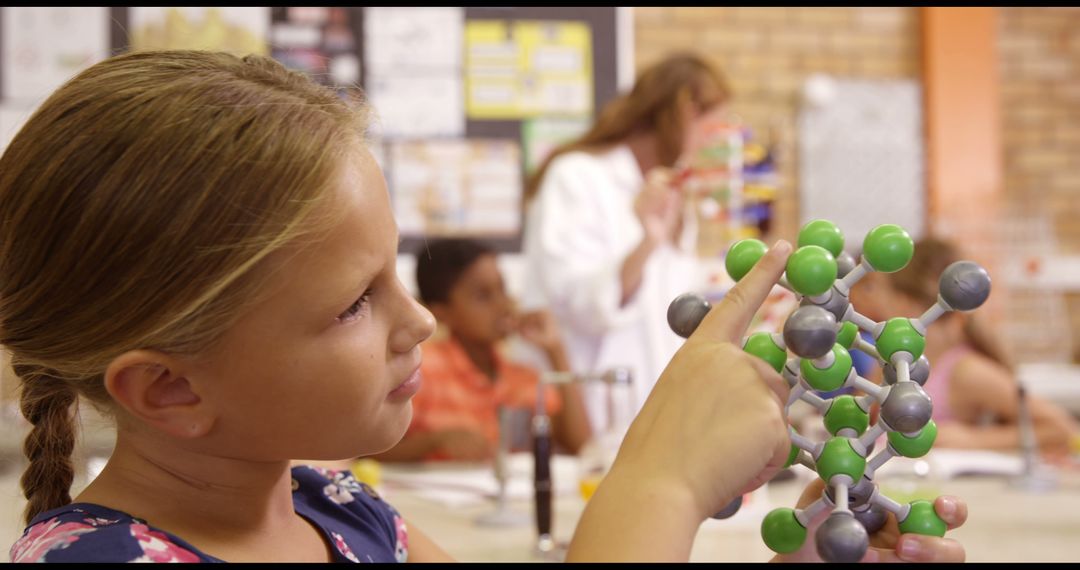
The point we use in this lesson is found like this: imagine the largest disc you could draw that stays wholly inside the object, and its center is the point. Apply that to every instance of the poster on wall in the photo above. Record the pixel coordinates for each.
(522, 69)
(239, 30)
(414, 64)
(456, 187)
(319, 41)
(540, 136)
(45, 46)
(414, 106)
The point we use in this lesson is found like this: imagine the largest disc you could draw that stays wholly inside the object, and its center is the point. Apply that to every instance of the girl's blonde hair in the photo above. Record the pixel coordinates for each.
(135, 206)
(653, 105)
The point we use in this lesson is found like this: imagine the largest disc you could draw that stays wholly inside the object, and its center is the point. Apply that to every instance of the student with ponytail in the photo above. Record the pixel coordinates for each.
(972, 380)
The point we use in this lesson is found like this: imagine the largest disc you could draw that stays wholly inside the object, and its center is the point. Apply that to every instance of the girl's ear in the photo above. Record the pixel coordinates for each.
(153, 387)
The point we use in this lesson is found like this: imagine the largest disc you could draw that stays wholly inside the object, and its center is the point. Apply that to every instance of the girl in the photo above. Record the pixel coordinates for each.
(971, 381)
(202, 246)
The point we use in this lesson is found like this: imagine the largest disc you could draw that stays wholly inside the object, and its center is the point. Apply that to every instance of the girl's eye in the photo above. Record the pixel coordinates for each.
(356, 308)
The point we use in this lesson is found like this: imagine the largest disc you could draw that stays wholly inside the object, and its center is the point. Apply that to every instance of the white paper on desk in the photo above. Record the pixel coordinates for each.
(418, 106)
(950, 463)
(408, 39)
(45, 46)
(457, 485)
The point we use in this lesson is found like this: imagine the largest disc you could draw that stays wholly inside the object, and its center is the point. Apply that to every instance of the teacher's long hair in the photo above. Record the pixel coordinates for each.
(653, 104)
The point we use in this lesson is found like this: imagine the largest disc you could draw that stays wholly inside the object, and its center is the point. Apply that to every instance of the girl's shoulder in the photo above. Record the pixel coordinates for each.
(351, 513)
(82, 532)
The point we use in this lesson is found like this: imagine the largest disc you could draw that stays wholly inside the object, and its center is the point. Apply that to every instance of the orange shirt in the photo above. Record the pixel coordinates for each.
(456, 394)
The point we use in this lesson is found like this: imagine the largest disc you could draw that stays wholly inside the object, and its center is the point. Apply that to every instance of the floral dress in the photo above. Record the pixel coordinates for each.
(350, 514)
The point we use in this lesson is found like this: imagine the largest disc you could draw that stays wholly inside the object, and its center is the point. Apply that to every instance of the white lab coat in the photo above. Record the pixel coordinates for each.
(579, 229)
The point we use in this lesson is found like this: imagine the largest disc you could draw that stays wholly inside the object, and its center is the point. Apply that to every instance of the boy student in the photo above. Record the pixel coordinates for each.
(466, 379)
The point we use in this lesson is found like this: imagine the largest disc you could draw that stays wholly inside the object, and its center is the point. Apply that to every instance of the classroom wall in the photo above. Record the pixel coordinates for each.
(1039, 58)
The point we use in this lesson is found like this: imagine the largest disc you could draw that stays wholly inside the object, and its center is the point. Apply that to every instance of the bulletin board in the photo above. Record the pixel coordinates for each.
(467, 99)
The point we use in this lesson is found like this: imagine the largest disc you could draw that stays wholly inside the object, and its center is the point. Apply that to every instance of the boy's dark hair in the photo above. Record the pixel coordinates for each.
(440, 264)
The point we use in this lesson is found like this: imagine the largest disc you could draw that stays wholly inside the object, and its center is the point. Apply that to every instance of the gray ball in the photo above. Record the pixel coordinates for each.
(907, 408)
(872, 517)
(964, 285)
(730, 509)
(918, 372)
(841, 538)
(837, 304)
(858, 495)
(845, 263)
(686, 312)
(810, 332)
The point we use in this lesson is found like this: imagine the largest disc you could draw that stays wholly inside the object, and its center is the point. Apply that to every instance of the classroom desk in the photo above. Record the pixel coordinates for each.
(1005, 524)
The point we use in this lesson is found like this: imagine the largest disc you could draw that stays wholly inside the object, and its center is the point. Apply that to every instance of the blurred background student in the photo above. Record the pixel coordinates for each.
(972, 381)
(608, 241)
(466, 378)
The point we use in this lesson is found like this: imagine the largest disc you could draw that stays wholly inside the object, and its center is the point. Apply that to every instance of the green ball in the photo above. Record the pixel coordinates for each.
(831, 378)
(888, 248)
(846, 336)
(822, 233)
(782, 532)
(811, 270)
(845, 413)
(899, 335)
(742, 256)
(761, 345)
(839, 458)
(923, 520)
(917, 446)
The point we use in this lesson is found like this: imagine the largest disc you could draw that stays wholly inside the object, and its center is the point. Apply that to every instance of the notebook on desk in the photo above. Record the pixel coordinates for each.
(952, 463)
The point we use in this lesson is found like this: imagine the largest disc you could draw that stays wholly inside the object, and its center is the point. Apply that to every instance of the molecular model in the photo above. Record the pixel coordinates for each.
(820, 333)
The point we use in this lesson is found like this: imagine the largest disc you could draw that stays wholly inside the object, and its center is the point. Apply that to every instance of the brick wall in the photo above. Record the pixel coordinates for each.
(1039, 58)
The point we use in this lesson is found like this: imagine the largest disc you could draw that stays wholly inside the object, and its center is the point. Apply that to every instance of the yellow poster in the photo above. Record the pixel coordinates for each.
(238, 30)
(523, 69)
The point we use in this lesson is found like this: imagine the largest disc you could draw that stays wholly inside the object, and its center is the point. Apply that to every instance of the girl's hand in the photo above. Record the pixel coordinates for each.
(887, 544)
(714, 424)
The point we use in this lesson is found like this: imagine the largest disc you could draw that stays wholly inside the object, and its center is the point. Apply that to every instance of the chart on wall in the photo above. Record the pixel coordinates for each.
(523, 69)
(456, 187)
(861, 161)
